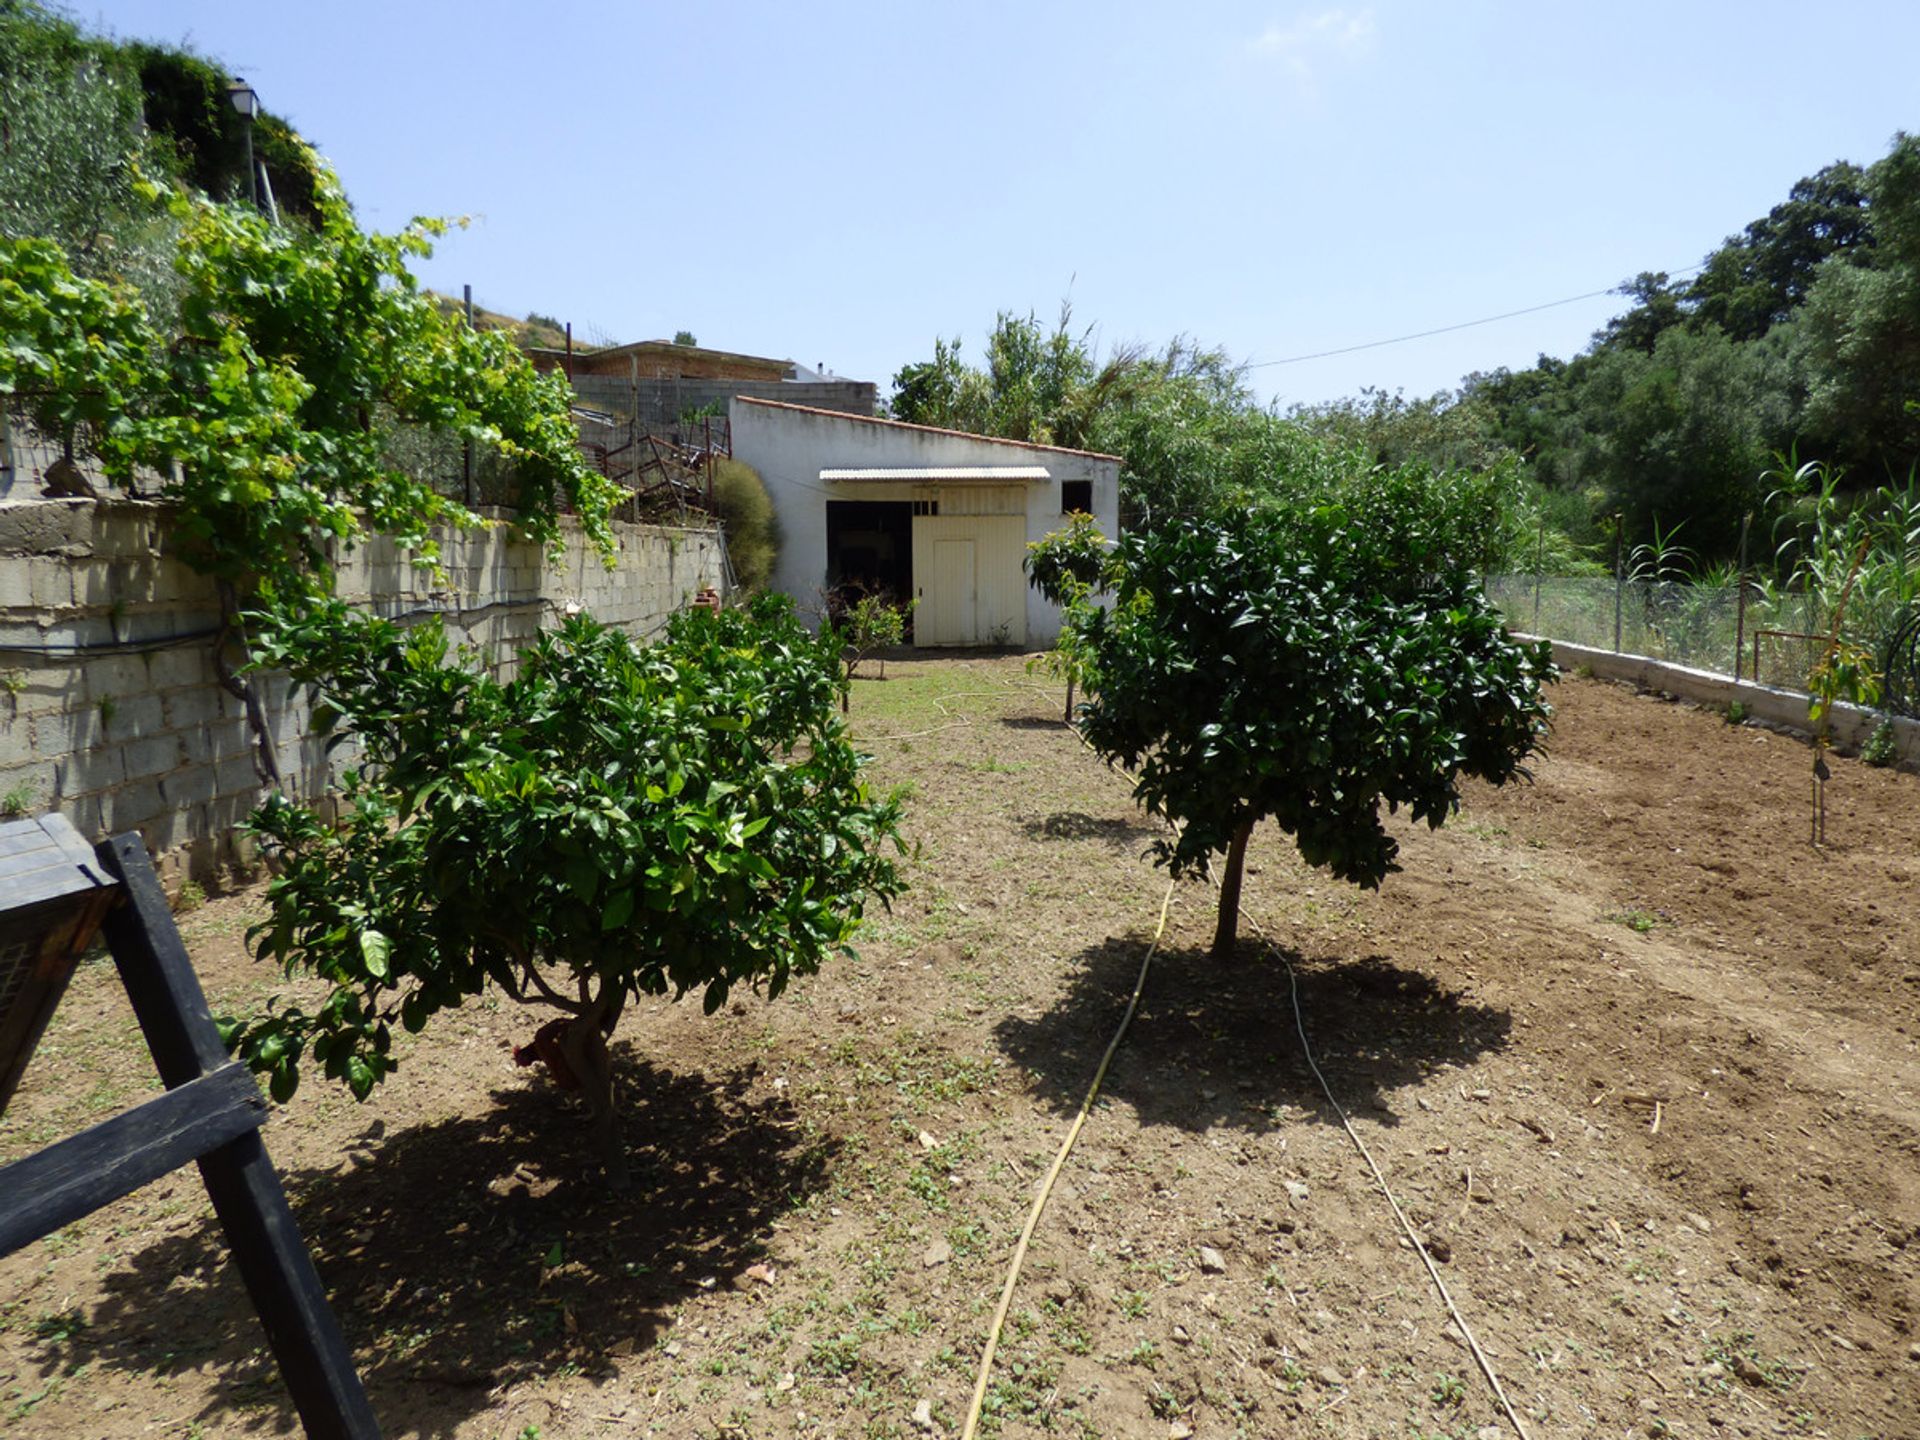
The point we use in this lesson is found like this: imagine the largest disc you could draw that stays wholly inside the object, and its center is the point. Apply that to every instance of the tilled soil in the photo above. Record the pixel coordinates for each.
(1637, 1059)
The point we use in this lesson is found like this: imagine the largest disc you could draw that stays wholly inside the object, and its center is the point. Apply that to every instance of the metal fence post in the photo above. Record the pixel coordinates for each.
(1539, 565)
(1740, 609)
(1619, 577)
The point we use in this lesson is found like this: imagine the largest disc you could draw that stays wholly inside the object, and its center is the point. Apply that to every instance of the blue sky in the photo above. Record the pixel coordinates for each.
(841, 183)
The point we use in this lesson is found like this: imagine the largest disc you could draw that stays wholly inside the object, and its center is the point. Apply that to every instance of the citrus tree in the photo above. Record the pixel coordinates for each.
(619, 819)
(1307, 663)
(1067, 568)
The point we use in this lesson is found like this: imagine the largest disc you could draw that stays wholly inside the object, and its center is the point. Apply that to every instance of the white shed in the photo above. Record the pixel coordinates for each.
(916, 512)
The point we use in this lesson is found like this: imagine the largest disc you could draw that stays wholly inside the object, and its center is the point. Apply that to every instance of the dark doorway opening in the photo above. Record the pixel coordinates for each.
(869, 551)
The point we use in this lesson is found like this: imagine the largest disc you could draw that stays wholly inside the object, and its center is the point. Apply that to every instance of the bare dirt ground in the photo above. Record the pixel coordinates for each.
(830, 1185)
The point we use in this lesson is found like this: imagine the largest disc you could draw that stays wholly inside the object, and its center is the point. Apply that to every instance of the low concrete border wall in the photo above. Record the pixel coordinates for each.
(1851, 725)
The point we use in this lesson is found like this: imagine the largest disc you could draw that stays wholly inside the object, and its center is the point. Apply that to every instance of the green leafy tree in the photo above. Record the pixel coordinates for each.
(871, 623)
(1757, 279)
(1068, 568)
(1306, 663)
(1028, 389)
(619, 820)
(684, 337)
(1858, 335)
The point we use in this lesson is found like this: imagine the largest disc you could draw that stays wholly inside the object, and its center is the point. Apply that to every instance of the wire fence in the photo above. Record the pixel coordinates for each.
(1769, 637)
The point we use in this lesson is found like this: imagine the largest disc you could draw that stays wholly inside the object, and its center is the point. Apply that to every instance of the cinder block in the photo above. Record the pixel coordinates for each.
(17, 745)
(190, 788)
(104, 583)
(90, 772)
(133, 717)
(66, 732)
(44, 527)
(119, 533)
(157, 755)
(235, 777)
(116, 676)
(16, 583)
(228, 738)
(133, 804)
(193, 706)
(52, 582)
(161, 833)
(183, 665)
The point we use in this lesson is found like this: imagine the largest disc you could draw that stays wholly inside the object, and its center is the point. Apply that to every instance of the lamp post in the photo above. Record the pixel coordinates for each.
(247, 103)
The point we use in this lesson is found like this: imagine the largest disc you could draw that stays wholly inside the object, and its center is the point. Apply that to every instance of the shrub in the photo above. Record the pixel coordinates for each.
(1883, 746)
(746, 515)
(618, 820)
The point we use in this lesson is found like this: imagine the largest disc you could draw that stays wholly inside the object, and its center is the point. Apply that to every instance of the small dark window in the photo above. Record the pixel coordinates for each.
(1076, 495)
(926, 507)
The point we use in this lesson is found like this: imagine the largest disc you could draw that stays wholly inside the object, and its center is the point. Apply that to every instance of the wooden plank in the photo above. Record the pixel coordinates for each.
(70, 1180)
(54, 893)
(240, 1179)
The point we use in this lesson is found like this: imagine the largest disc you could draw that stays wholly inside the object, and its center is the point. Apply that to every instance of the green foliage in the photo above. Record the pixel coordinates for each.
(1844, 673)
(1027, 390)
(1069, 564)
(1834, 542)
(746, 514)
(873, 622)
(71, 134)
(618, 820)
(1882, 748)
(260, 407)
(1068, 567)
(1307, 663)
(684, 337)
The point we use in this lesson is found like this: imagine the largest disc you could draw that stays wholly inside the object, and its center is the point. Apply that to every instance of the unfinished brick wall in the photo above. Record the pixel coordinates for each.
(110, 711)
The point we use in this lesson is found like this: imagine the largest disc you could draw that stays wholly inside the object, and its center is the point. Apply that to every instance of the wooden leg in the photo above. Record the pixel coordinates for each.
(240, 1179)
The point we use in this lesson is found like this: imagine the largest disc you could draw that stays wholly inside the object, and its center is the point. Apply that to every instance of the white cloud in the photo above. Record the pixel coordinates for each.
(1299, 45)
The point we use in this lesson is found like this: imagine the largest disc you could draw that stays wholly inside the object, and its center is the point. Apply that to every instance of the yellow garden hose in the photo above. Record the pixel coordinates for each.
(971, 1426)
(1053, 1174)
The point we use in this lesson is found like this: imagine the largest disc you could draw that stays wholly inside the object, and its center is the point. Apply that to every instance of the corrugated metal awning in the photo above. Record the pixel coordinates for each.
(942, 475)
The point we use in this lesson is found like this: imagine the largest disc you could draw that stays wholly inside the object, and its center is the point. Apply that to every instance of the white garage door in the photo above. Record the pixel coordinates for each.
(966, 574)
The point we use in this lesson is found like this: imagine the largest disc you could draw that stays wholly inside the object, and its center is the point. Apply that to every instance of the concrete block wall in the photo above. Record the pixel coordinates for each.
(110, 707)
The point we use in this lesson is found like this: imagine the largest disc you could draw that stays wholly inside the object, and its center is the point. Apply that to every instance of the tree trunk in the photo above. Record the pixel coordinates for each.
(1069, 700)
(585, 1045)
(1227, 930)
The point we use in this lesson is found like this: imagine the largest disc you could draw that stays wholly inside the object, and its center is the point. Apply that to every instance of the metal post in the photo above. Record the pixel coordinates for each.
(569, 352)
(253, 179)
(1619, 577)
(1740, 616)
(1539, 565)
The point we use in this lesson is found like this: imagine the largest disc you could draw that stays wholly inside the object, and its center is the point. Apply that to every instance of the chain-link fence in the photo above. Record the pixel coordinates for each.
(1773, 638)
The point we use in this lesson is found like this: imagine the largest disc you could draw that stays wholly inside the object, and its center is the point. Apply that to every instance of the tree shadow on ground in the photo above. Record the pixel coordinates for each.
(1117, 830)
(464, 1254)
(1034, 722)
(1214, 1043)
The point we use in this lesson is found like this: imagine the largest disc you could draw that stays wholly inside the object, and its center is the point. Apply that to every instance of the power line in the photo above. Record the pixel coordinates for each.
(1448, 329)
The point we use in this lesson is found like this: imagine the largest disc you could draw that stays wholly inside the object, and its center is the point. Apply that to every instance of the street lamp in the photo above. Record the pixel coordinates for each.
(247, 102)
